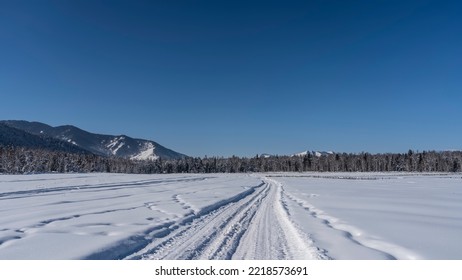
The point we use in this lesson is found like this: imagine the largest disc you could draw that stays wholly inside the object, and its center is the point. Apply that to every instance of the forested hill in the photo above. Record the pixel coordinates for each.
(10, 136)
(99, 144)
(19, 160)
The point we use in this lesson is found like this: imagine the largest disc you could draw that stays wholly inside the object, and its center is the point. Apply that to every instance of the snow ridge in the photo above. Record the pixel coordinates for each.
(392, 251)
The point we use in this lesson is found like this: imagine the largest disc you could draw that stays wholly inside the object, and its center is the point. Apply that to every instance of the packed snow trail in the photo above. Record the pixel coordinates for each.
(255, 226)
(271, 234)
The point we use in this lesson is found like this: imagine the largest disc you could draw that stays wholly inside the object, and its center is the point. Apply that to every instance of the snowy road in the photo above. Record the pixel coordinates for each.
(253, 225)
(231, 216)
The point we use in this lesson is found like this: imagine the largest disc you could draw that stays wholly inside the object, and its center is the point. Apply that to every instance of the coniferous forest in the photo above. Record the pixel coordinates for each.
(21, 160)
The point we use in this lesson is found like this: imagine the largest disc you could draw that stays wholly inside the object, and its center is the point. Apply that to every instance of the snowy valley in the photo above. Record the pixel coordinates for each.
(231, 216)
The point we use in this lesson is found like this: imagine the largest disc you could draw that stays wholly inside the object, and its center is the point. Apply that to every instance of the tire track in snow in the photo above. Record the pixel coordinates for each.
(213, 233)
(95, 187)
(272, 234)
(155, 238)
(255, 226)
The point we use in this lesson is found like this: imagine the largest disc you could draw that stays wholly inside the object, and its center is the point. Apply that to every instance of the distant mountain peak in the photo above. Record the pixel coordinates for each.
(314, 153)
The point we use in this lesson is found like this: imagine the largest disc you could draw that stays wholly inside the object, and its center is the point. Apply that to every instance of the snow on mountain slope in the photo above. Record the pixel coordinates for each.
(115, 144)
(314, 153)
(302, 154)
(106, 145)
(146, 154)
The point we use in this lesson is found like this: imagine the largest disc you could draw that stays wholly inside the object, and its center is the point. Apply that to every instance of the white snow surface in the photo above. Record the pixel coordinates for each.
(116, 144)
(231, 216)
(146, 154)
(301, 154)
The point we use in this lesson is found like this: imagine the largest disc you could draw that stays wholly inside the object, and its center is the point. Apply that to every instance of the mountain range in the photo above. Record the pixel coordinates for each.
(314, 153)
(73, 139)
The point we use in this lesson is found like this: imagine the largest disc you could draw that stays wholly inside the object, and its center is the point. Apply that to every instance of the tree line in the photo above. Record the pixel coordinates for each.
(20, 160)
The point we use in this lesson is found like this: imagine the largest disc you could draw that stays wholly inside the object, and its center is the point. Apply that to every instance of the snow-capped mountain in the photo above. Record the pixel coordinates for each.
(106, 145)
(314, 153)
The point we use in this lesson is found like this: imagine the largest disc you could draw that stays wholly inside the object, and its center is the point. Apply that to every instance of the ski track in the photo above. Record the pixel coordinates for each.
(251, 225)
(93, 187)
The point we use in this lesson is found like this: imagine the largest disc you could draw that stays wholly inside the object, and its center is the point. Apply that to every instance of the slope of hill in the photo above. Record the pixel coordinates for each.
(10, 136)
(105, 145)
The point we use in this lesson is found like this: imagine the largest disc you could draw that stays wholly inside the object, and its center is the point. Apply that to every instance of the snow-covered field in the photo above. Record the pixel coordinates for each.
(231, 216)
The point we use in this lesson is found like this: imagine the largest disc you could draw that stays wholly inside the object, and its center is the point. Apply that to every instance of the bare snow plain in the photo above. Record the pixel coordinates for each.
(231, 216)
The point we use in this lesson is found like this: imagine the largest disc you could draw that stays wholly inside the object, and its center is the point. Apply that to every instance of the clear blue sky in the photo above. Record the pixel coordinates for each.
(239, 77)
